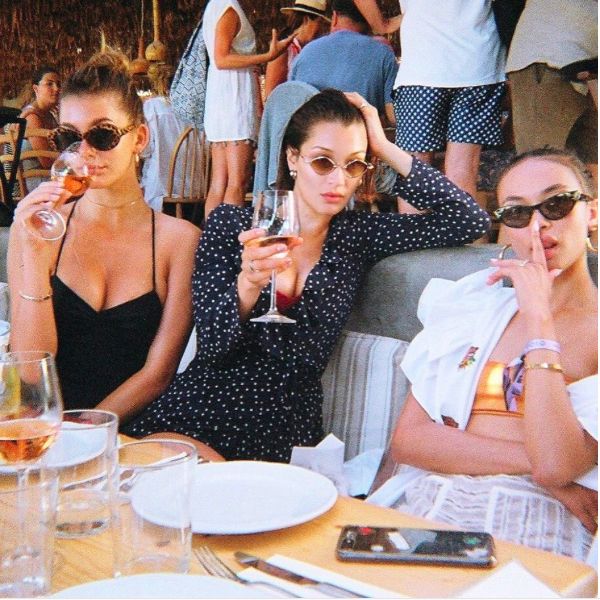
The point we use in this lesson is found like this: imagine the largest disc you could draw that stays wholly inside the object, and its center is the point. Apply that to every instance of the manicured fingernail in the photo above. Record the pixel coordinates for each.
(493, 260)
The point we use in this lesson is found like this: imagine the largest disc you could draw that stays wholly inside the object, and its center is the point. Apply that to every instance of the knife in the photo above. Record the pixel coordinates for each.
(262, 565)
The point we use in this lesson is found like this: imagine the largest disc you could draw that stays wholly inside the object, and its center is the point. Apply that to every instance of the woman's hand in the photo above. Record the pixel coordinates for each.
(46, 196)
(378, 142)
(531, 278)
(581, 501)
(278, 47)
(258, 261)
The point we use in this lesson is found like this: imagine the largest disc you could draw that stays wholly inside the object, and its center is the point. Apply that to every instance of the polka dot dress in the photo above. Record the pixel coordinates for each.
(253, 391)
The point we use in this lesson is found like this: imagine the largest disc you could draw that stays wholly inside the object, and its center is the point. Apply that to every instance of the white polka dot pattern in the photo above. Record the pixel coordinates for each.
(253, 390)
(429, 117)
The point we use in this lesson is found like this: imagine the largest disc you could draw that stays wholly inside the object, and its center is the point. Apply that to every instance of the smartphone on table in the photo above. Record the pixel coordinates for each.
(412, 545)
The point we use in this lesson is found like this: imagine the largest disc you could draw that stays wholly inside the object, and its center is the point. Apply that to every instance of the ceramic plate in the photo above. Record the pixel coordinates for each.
(162, 585)
(243, 497)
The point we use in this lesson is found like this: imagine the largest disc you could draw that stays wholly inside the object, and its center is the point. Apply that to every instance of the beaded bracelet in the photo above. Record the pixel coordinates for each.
(541, 344)
(35, 298)
(555, 367)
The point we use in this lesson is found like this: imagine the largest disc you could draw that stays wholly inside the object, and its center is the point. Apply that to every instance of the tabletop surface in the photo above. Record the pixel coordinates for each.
(87, 559)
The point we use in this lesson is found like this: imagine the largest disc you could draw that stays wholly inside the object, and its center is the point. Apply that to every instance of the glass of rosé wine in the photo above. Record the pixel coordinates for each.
(276, 212)
(73, 169)
(31, 410)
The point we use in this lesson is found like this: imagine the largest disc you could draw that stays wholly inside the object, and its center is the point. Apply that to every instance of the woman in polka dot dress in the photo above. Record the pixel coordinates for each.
(253, 391)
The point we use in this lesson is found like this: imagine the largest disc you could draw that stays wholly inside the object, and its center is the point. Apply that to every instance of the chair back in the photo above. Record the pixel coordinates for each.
(12, 132)
(189, 171)
(29, 165)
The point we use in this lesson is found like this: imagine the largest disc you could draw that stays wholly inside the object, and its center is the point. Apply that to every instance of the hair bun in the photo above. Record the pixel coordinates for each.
(109, 59)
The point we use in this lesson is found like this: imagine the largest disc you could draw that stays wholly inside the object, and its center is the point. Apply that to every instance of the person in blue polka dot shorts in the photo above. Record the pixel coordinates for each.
(253, 390)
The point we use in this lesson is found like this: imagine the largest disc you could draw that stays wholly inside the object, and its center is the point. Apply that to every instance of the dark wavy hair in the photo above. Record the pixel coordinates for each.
(107, 72)
(328, 106)
(39, 73)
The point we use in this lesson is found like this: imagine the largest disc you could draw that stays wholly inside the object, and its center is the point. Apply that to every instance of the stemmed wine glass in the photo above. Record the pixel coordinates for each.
(30, 418)
(275, 211)
(72, 168)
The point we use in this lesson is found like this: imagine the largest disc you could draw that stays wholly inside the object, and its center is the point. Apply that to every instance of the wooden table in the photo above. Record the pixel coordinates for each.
(80, 561)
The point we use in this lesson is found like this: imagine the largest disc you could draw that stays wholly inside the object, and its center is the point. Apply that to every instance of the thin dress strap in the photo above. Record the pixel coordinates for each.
(64, 237)
(153, 253)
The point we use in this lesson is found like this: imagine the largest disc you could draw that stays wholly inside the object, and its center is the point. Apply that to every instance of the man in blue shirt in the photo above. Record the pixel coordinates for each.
(350, 60)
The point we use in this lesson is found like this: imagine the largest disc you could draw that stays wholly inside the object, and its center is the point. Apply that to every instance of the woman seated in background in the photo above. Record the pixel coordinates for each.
(112, 298)
(306, 20)
(501, 420)
(253, 390)
(41, 113)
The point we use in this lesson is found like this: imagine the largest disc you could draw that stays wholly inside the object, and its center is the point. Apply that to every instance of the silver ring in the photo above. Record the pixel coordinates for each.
(524, 262)
(252, 267)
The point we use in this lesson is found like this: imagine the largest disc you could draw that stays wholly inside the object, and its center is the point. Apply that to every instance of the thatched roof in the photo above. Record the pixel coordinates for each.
(64, 33)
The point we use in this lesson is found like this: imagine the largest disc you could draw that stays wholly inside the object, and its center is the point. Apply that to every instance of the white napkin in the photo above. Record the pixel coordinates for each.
(512, 580)
(327, 458)
(366, 590)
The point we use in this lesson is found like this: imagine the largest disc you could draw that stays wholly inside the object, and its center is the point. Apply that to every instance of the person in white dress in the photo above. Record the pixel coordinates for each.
(232, 97)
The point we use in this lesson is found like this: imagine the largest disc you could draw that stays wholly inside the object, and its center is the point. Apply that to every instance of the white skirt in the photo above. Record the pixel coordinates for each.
(509, 507)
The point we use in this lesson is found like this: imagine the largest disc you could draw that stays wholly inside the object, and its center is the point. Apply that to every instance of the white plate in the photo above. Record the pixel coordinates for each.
(161, 585)
(72, 448)
(245, 497)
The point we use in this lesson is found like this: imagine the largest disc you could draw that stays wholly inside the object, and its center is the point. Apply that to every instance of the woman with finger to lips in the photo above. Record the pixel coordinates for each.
(112, 297)
(253, 390)
(508, 443)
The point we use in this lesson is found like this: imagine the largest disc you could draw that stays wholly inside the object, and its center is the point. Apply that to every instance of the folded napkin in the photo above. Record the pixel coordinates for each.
(366, 590)
(512, 580)
(327, 458)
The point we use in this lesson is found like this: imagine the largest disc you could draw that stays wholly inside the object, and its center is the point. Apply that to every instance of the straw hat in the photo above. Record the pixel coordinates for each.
(311, 7)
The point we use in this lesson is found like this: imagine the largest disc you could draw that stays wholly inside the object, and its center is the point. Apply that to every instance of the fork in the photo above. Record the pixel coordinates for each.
(213, 565)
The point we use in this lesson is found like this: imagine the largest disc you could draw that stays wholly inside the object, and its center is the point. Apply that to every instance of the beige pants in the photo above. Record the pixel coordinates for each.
(547, 111)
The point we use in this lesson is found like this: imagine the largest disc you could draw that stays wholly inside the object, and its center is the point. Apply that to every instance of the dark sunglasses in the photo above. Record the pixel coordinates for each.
(553, 208)
(323, 165)
(101, 137)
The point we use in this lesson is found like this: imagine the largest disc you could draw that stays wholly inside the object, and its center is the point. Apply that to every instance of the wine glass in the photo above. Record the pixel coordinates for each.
(30, 419)
(276, 212)
(72, 168)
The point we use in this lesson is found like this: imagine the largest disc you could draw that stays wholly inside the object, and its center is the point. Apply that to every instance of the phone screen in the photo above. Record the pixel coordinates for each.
(468, 548)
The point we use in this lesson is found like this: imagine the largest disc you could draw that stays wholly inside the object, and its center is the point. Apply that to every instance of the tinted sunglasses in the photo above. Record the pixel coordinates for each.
(323, 165)
(553, 208)
(101, 137)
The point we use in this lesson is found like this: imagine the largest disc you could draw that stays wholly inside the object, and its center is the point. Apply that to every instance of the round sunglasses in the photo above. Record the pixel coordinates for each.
(554, 208)
(323, 165)
(103, 137)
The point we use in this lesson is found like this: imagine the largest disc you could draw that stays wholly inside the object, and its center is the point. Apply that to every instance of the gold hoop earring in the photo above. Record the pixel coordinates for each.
(137, 159)
(589, 245)
(504, 250)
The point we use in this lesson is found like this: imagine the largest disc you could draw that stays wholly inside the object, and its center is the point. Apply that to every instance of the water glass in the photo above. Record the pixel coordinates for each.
(26, 556)
(151, 526)
(86, 455)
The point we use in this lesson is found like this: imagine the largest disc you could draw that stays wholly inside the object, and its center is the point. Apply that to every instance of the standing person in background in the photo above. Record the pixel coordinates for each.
(547, 109)
(306, 20)
(232, 97)
(371, 72)
(449, 86)
(165, 128)
(41, 113)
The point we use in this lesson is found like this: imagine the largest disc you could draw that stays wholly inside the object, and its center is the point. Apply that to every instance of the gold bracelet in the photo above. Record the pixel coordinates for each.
(556, 367)
(36, 298)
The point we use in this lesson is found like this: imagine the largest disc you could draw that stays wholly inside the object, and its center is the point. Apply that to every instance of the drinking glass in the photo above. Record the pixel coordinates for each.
(30, 418)
(276, 212)
(72, 168)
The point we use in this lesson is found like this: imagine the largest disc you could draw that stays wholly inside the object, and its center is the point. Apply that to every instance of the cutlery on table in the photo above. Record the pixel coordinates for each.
(213, 565)
(335, 591)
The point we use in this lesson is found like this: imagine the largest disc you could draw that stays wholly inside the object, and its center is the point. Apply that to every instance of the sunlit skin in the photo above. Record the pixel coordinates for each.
(557, 300)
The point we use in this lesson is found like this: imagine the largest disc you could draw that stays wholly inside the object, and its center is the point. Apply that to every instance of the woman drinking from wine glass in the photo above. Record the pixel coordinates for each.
(112, 298)
(253, 390)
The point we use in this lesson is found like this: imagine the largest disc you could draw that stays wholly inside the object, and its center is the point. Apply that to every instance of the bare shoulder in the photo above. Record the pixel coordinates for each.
(179, 232)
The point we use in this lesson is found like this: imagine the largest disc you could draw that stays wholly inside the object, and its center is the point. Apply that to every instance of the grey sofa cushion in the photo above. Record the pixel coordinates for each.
(387, 301)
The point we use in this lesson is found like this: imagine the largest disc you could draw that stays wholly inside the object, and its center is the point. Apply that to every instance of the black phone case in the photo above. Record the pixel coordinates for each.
(417, 546)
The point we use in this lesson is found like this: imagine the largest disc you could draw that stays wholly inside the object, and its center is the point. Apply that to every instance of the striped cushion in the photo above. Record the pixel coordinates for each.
(364, 389)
